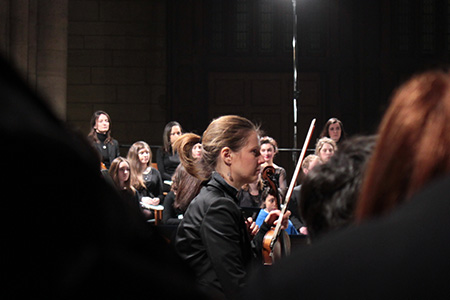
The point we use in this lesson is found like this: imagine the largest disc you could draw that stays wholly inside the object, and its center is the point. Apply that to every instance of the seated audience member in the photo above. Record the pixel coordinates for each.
(167, 158)
(120, 175)
(87, 243)
(146, 179)
(325, 149)
(307, 165)
(184, 188)
(400, 248)
(270, 204)
(334, 129)
(330, 191)
(250, 195)
(269, 148)
(100, 136)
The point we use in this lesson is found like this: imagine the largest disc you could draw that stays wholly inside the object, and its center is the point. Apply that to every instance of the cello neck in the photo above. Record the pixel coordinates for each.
(293, 181)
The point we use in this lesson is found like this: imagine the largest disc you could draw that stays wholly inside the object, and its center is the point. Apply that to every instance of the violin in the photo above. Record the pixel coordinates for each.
(276, 245)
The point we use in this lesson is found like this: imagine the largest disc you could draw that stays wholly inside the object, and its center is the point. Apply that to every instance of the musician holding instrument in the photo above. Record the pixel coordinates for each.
(269, 148)
(214, 237)
(272, 201)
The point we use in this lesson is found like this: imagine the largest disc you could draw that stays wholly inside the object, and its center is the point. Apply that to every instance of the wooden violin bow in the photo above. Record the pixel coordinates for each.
(272, 235)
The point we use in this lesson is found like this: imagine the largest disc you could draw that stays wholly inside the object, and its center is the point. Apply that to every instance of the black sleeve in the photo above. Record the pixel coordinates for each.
(161, 165)
(293, 207)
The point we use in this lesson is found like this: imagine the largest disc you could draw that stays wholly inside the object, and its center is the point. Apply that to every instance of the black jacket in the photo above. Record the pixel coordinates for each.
(213, 239)
(112, 149)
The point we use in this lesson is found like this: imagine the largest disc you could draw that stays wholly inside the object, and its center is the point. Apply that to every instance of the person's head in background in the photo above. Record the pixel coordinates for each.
(140, 158)
(413, 146)
(325, 149)
(100, 124)
(120, 174)
(309, 163)
(172, 131)
(334, 129)
(269, 148)
(330, 191)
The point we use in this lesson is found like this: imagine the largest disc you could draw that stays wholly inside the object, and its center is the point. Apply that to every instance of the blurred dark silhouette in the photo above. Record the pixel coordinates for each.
(66, 232)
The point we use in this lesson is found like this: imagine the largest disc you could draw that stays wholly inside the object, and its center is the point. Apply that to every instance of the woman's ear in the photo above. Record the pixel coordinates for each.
(227, 155)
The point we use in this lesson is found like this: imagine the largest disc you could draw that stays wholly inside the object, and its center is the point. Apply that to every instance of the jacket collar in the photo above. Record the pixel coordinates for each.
(219, 182)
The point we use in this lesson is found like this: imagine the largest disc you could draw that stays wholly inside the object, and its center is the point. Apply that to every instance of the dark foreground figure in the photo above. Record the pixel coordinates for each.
(65, 232)
(402, 256)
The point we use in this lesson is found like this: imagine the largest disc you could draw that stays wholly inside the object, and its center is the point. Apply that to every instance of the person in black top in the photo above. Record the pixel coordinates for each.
(214, 237)
(146, 179)
(80, 237)
(166, 158)
(100, 136)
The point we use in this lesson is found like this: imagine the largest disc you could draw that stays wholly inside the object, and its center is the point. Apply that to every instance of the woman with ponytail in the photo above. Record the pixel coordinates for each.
(214, 237)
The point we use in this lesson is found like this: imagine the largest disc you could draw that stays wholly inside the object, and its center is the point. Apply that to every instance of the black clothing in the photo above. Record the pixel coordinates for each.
(154, 185)
(171, 215)
(79, 238)
(167, 163)
(294, 208)
(404, 255)
(248, 200)
(108, 151)
(213, 239)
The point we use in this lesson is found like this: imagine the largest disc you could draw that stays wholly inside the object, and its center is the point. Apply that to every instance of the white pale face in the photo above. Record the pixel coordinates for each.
(334, 131)
(246, 163)
(144, 156)
(268, 152)
(326, 152)
(124, 172)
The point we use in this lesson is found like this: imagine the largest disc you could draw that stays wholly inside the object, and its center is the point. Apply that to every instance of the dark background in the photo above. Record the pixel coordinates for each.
(236, 57)
(147, 62)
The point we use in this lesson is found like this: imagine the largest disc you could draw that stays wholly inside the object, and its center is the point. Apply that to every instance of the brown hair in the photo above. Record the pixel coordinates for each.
(325, 132)
(413, 144)
(185, 186)
(167, 146)
(226, 131)
(114, 170)
(136, 168)
(183, 145)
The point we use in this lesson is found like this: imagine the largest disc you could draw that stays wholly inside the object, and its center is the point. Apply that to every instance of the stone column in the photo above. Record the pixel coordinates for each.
(51, 53)
(33, 37)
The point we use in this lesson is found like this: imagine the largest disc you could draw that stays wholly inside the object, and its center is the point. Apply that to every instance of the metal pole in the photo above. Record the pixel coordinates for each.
(296, 92)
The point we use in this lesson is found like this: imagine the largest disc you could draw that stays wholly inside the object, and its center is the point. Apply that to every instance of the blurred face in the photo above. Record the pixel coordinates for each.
(102, 124)
(326, 152)
(246, 163)
(267, 152)
(144, 155)
(271, 203)
(334, 131)
(175, 134)
(197, 150)
(312, 164)
(124, 172)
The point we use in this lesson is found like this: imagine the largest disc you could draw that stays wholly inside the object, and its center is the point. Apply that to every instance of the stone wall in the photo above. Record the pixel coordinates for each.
(33, 37)
(117, 63)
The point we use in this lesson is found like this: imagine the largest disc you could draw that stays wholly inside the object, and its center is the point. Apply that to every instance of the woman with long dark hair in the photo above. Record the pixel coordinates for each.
(100, 136)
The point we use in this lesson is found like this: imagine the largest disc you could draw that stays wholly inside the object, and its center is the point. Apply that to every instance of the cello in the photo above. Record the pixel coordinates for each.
(272, 246)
